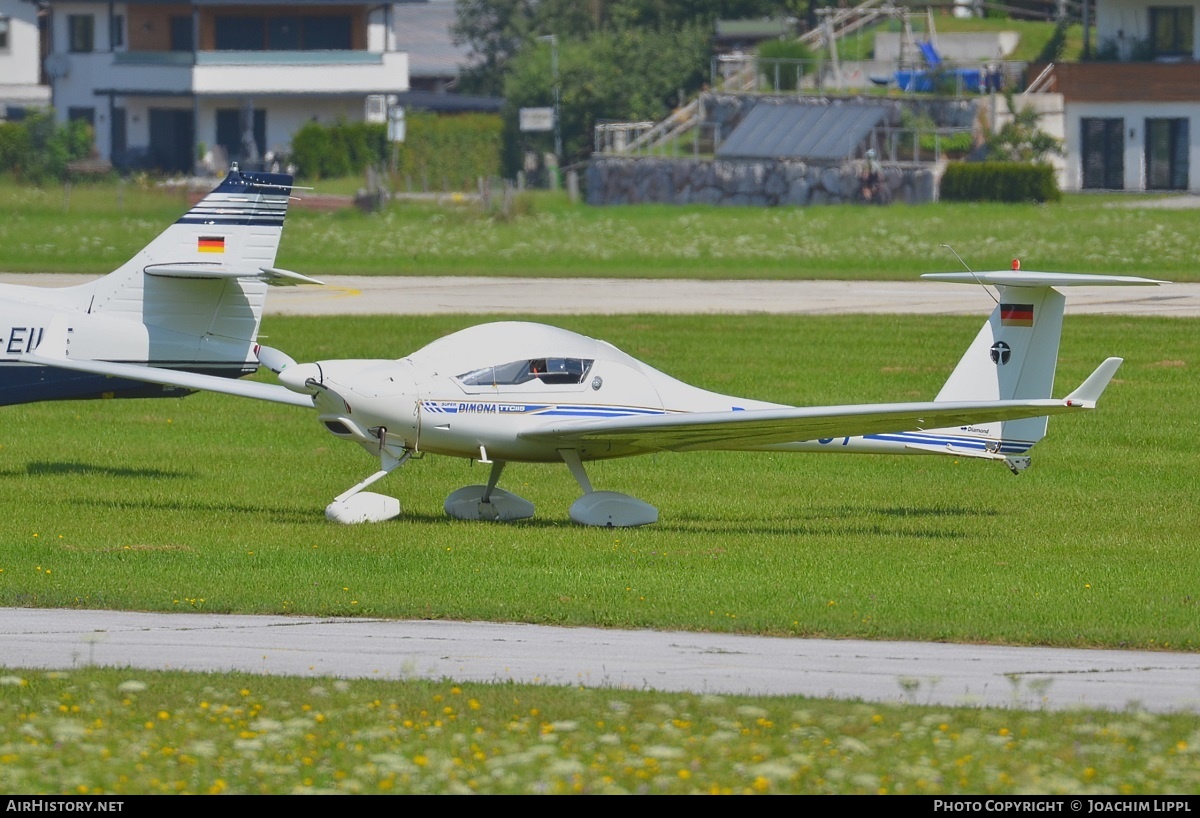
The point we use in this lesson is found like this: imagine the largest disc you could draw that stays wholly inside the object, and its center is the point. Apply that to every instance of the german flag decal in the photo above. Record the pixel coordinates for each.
(211, 244)
(1016, 315)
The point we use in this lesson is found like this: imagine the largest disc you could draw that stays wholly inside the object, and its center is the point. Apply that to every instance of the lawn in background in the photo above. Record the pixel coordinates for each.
(95, 228)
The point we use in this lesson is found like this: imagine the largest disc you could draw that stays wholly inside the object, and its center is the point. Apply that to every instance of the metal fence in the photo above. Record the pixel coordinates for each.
(748, 73)
(898, 146)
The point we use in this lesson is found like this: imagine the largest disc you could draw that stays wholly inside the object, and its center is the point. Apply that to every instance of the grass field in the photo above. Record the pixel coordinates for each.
(114, 732)
(215, 504)
(97, 227)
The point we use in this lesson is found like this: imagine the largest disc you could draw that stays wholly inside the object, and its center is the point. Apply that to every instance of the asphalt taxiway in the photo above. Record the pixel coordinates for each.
(902, 672)
(433, 295)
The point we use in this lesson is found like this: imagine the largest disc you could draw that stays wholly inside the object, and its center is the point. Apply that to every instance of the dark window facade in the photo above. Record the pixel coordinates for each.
(1171, 31)
(239, 145)
(182, 33)
(1103, 153)
(283, 33)
(1167, 154)
(88, 115)
(81, 33)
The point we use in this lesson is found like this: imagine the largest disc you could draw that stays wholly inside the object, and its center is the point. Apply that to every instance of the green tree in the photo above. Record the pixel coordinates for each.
(1020, 139)
(626, 74)
(495, 30)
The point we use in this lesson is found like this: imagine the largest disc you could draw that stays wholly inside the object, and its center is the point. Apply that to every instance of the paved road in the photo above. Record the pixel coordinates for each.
(420, 295)
(923, 673)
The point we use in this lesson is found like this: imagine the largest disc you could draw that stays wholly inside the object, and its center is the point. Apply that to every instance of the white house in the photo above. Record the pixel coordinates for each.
(162, 82)
(1132, 118)
(20, 57)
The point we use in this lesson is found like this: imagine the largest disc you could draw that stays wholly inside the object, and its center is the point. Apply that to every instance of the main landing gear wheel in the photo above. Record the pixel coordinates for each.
(488, 502)
(606, 509)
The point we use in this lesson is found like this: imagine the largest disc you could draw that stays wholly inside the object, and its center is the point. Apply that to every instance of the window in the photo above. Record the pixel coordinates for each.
(240, 33)
(1171, 31)
(1167, 154)
(546, 370)
(5, 27)
(1103, 153)
(283, 33)
(232, 136)
(87, 115)
(182, 33)
(81, 31)
(327, 33)
(116, 31)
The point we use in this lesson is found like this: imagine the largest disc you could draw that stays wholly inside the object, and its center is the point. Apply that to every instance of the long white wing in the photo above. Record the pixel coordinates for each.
(173, 377)
(750, 429)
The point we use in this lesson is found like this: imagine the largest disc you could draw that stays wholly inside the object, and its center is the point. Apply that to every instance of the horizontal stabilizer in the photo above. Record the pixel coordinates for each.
(278, 277)
(1030, 278)
(272, 275)
(1090, 390)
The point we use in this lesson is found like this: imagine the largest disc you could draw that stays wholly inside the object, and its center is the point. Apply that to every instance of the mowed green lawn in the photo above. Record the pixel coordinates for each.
(215, 504)
(95, 228)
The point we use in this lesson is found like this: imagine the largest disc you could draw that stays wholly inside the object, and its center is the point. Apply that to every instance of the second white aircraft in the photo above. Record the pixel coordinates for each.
(529, 392)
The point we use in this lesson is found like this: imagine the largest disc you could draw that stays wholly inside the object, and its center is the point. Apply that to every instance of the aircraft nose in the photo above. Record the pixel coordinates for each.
(296, 378)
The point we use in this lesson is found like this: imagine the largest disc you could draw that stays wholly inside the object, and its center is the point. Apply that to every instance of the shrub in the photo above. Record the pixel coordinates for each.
(999, 182)
(37, 149)
(436, 148)
(450, 149)
(772, 51)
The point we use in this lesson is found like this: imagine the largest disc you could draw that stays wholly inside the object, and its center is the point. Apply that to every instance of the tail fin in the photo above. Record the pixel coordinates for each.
(1015, 353)
(199, 287)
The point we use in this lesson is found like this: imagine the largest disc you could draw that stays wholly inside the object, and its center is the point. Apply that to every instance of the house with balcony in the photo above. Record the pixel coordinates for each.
(21, 87)
(164, 82)
(1132, 115)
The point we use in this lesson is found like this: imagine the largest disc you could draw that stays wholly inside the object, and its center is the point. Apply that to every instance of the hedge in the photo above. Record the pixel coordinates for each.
(437, 149)
(999, 182)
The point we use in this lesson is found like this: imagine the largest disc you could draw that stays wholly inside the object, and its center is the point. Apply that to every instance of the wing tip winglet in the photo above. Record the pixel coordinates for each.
(1089, 392)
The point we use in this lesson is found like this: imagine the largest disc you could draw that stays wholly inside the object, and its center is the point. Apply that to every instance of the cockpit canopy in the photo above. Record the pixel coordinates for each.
(546, 370)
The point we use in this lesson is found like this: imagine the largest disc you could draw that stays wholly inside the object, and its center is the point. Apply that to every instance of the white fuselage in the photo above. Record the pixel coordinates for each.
(440, 400)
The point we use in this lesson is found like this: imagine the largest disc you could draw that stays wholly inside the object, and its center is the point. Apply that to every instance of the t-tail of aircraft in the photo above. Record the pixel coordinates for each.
(1013, 358)
(192, 299)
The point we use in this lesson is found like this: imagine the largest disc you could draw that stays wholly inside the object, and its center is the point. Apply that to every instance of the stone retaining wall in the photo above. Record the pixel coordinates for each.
(755, 182)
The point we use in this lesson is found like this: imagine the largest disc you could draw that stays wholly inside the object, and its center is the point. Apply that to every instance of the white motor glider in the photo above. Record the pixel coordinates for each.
(191, 300)
(534, 393)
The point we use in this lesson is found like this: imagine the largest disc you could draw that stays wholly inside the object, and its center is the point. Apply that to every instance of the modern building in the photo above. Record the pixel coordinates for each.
(20, 59)
(1132, 115)
(165, 82)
